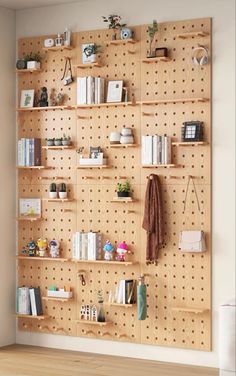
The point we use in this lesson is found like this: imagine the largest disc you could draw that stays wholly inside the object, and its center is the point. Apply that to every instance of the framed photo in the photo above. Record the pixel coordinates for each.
(88, 54)
(27, 98)
(30, 207)
(192, 131)
(114, 91)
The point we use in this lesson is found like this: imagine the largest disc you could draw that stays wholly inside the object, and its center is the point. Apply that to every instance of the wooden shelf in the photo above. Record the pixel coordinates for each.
(33, 167)
(121, 305)
(197, 143)
(125, 263)
(93, 166)
(122, 41)
(151, 60)
(58, 199)
(28, 71)
(190, 310)
(52, 299)
(89, 65)
(43, 317)
(62, 147)
(48, 108)
(160, 166)
(37, 258)
(122, 146)
(113, 104)
(96, 323)
(193, 34)
(176, 100)
(58, 48)
(29, 218)
(125, 200)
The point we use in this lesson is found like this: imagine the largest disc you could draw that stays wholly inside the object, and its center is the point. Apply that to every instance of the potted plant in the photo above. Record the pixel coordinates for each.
(53, 191)
(58, 141)
(114, 23)
(50, 141)
(90, 52)
(62, 191)
(123, 190)
(33, 61)
(151, 33)
(101, 311)
(66, 140)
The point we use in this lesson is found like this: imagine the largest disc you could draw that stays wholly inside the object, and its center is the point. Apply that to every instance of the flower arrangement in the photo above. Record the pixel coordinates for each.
(114, 21)
(151, 33)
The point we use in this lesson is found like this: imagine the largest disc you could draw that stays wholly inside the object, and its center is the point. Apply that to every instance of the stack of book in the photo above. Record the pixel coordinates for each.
(87, 246)
(29, 152)
(125, 293)
(156, 150)
(90, 90)
(28, 301)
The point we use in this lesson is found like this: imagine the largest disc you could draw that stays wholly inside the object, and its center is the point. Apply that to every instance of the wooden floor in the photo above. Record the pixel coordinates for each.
(36, 361)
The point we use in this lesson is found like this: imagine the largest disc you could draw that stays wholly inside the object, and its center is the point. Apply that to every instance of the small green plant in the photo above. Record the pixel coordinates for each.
(50, 139)
(92, 49)
(123, 187)
(66, 138)
(62, 187)
(53, 187)
(100, 296)
(151, 33)
(114, 21)
(58, 139)
(33, 57)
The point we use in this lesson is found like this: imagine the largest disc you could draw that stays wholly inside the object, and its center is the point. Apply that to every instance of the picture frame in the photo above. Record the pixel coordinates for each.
(30, 207)
(87, 55)
(27, 98)
(114, 91)
(192, 131)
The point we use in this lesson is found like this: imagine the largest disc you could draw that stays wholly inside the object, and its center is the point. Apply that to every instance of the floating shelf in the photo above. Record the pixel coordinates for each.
(58, 199)
(193, 34)
(121, 305)
(177, 100)
(93, 166)
(190, 310)
(96, 323)
(197, 143)
(113, 104)
(33, 167)
(48, 108)
(160, 166)
(62, 147)
(122, 146)
(57, 48)
(89, 65)
(28, 71)
(36, 258)
(125, 200)
(52, 299)
(156, 59)
(29, 218)
(43, 317)
(125, 263)
(122, 41)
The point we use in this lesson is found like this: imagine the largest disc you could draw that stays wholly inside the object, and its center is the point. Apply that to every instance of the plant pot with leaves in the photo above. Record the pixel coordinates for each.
(90, 52)
(53, 191)
(62, 191)
(114, 23)
(151, 33)
(66, 140)
(33, 61)
(123, 190)
(50, 141)
(58, 141)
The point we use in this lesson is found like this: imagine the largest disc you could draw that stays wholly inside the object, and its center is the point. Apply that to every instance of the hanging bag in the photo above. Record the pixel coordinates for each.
(67, 74)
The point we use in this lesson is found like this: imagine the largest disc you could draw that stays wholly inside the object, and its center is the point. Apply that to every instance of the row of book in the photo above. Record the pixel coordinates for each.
(156, 150)
(125, 293)
(87, 246)
(29, 152)
(28, 301)
(90, 90)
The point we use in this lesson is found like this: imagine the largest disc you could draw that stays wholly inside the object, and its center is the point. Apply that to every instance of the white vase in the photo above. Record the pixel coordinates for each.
(53, 195)
(33, 65)
(114, 137)
(63, 195)
(126, 140)
(126, 132)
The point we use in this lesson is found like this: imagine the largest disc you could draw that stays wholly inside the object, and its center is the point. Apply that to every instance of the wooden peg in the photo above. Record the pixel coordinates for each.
(147, 114)
(122, 335)
(66, 210)
(83, 117)
(130, 211)
(90, 332)
(150, 177)
(59, 178)
(104, 177)
(122, 177)
(60, 330)
(88, 177)
(44, 178)
(173, 177)
(131, 52)
(105, 334)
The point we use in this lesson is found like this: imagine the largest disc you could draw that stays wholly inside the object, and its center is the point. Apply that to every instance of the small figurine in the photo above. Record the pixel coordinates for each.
(25, 251)
(94, 313)
(43, 101)
(54, 248)
(108, 249)
(42, 245)
(122, 249)
(82, 312)
(32, 248)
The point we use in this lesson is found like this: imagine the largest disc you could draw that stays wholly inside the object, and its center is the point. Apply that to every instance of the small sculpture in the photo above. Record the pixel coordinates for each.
(42, 245)
(108, 249)
(43, 101)
(32, 248)
(122, 249)
(54, 248)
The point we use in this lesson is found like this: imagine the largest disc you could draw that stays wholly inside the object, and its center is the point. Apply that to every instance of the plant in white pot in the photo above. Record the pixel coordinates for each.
(62, 191)
(33, 61)
(90, 52)
(66, 140)
(53, 191)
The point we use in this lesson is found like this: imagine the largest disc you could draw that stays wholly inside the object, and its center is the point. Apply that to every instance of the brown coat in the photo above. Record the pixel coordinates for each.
(153, 221)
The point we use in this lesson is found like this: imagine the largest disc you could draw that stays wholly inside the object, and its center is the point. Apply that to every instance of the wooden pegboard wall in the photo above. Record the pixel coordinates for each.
(179, 280)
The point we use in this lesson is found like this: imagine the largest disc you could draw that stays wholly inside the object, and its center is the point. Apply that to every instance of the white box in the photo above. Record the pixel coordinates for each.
(33, 65)
(92, 161)
(59, 294)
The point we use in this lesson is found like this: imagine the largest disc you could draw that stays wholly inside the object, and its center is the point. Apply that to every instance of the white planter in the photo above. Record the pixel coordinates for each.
(63, 195)
(52, 194)
(33, 65)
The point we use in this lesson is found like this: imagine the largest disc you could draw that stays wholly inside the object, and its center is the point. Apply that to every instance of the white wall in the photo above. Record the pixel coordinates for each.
(86, 16)
(7, 176)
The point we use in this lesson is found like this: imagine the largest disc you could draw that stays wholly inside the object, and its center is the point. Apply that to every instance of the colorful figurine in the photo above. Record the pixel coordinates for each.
(122, 249)
(108, 249)
(54, 248)
(32, 248)
(42, 245)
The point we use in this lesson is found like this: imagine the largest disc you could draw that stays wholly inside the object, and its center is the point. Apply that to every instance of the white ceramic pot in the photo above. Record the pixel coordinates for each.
(114, 137)
(63, 195)
(126, 140)
(126, 132)
(52, 195)
(33, 65)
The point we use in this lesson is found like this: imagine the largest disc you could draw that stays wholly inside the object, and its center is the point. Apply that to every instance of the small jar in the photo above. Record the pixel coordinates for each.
(114, 138)
(126, 132)
(127, 140)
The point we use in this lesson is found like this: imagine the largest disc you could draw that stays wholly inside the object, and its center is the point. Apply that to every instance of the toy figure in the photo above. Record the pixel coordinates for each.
(43, 101)
(25, 251)
(54, 248)
(122, 249)
(108, 249)
(42, 245)
(32, 248)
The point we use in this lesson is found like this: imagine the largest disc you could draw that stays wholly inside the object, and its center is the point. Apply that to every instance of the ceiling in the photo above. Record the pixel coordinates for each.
(24, 4)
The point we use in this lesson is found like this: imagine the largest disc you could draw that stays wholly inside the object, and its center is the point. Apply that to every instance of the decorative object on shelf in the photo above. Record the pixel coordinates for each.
(89, 52)
(27, 98)
(32, 248)
(66, 140)
(156, 150)
(67, 74)
(94, 313)
(108, 249)
(62, 191)
(121, 251)
(192, 131)
(58, 141)
(126, 94)
(59, 41)
(126, 33)
(54, 248)
(92, 159)
(49, 42)
(21, 64)
(153, 221)
(63, 293)
(151, 33)
(42, 247)
(53, 191)
(56, 99)
(30, 207)
(29, 152)
(161, 52)
(67, 37)
(101, 310)
(115, 138)
(192, 241)
(123, 189)
(33, 61)
(126, 136)
(43, 101)
(81, 274)
(200, 56)
(114, 22)
(141, 299)
(50, 141)
(90, 90)
(114, 91)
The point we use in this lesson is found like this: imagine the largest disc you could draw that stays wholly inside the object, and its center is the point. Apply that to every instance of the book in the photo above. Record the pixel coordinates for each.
(162, 149)
(148, 150)
(84, 246)
(90, 90)
(91, 246)
(36, 152)
(36, 302)
(101, 90)
(20, 153)
(98, 240)
(23, 305)
(81, 90)
(129, 291)
(154, 149)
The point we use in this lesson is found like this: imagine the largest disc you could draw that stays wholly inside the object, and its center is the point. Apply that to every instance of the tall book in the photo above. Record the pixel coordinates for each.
(154, 149)
(98, 246)
(19, 153)
(91, 246)
(36, 152)
(36, 302)
(90, 90)
(148, 150)
(81, 90)
(78, 252)
(163, 150)
(101, 90)
(27, 152)
(84, 247)
(23, 306)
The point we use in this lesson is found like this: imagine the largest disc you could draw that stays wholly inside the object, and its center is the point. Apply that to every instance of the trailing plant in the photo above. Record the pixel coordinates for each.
(53, 187)
(151, 33)
(33, 57)
(62, 187)
(123, 187)
(114, 21)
